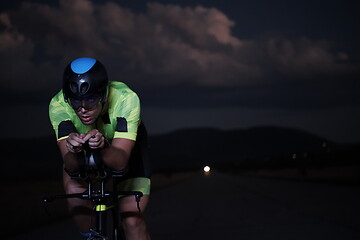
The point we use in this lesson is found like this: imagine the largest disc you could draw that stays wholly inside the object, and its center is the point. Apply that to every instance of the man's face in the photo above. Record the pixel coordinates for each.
(87, 109)
(89, 117)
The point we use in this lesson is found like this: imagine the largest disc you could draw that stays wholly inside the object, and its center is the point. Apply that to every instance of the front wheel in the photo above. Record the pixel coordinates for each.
(97, 238)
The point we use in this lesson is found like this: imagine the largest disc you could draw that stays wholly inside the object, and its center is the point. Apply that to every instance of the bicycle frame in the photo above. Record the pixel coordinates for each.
(100, 197)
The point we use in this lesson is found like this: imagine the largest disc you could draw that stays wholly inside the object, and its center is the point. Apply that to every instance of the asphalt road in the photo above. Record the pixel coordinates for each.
(221, 206)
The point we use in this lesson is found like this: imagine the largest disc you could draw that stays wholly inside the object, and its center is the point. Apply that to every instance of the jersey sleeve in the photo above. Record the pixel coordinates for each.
(60, 118)
(128, 117)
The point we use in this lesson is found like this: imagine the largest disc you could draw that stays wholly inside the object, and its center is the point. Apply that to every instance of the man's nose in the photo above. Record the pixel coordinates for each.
(82, 109)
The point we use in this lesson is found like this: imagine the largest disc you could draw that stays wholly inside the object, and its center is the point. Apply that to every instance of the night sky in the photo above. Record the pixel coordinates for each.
(221, 64)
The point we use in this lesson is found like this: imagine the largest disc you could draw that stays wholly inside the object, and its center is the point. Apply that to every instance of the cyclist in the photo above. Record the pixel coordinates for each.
(92, 112)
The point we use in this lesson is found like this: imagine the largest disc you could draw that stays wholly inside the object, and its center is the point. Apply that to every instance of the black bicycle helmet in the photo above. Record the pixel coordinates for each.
(84, 77)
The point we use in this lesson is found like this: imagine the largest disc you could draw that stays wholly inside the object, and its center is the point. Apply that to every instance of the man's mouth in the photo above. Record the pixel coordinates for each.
(85, 118)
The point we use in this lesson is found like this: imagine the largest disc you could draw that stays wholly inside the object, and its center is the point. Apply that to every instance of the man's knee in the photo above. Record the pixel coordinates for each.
(73, 186)
(132, 221)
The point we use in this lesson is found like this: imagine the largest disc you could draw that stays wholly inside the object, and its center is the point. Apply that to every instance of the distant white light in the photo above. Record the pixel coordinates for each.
(206, 169)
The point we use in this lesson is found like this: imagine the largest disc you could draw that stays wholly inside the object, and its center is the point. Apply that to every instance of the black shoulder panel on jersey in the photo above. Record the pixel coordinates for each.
(121, 125)
(65, 128)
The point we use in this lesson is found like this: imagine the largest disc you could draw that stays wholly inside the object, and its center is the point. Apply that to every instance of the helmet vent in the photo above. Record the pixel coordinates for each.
(84, 87)
(73, 87)
(81, 89)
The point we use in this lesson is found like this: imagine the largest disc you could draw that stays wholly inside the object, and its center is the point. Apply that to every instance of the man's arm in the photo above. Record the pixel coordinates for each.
(71, 151)
(117, 154)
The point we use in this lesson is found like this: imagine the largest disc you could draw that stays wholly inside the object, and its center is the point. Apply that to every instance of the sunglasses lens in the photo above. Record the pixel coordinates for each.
(75, 103)
(89, 103)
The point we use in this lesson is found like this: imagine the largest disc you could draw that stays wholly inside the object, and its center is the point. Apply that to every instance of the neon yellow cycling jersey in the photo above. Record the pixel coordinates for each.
(120, 121)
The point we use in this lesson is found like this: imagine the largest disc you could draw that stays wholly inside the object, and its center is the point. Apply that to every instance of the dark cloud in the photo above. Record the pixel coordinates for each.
(169, 44)
(317, 94)
(176, 56)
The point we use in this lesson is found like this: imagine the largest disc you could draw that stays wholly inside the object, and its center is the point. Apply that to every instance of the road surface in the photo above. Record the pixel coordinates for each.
(227, 207)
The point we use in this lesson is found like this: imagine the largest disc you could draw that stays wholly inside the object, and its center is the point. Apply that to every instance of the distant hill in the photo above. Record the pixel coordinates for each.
(192, 149)
(240, 147)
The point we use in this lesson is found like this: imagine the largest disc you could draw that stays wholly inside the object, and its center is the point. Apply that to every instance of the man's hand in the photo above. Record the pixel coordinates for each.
(95, 138)
(74, 142)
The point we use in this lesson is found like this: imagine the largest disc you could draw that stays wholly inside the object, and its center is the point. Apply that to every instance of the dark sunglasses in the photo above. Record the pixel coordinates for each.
(89, 103)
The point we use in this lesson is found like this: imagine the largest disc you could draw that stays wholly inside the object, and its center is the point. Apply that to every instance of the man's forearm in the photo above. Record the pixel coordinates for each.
(114, 158)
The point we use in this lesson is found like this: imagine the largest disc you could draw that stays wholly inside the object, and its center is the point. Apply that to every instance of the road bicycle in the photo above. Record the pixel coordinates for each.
(105, 202)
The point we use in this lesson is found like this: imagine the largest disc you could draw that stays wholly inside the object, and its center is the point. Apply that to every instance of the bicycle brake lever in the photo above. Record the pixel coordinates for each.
(138, 198)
